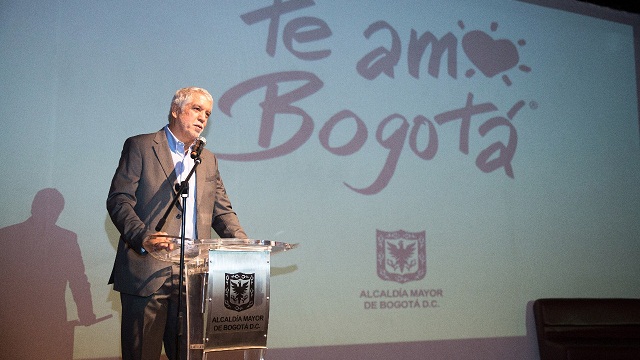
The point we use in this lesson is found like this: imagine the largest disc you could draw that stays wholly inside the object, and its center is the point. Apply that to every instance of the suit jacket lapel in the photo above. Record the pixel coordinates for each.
(161, 149)
(163, 154)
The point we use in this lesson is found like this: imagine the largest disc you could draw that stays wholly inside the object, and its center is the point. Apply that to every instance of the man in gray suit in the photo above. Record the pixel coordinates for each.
(142, 189)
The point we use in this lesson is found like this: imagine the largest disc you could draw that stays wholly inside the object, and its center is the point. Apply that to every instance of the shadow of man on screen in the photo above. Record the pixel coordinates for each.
(37, 261)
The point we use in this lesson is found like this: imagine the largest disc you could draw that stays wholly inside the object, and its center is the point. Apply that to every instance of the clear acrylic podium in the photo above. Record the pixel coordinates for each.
(227, 295)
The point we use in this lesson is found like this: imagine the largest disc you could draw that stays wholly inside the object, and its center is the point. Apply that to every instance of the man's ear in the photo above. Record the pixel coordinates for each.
(174, 112)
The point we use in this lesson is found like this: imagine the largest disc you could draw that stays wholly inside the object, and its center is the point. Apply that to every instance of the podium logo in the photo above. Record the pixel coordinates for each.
(239, 291)
(402, 255)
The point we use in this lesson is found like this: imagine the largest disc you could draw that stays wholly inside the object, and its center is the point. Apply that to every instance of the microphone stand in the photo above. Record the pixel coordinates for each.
(182, 192)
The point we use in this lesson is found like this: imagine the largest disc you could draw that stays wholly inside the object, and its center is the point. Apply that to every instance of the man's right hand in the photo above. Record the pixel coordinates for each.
(158, 241)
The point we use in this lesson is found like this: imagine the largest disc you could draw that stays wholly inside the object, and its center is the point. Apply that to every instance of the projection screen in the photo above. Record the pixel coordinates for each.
(440, 164)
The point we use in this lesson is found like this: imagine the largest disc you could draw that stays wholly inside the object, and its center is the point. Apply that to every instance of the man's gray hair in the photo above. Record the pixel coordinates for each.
(183, 96)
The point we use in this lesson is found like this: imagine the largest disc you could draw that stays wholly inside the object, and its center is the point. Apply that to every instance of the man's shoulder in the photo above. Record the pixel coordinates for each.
(208, 157)
(150, 137)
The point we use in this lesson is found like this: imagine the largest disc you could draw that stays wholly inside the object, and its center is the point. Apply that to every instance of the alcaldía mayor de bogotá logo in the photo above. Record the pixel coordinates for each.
(239, 291)
(402, 258)
(401, 255)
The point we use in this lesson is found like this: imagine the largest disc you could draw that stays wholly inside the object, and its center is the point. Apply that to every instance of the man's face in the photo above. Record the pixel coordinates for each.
(190, 121)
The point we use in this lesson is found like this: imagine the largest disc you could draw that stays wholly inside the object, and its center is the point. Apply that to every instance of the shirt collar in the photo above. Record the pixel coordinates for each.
(175, 145)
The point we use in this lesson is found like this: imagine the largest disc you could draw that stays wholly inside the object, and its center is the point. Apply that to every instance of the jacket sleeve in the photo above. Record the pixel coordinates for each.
(225, 220)
(122, 199)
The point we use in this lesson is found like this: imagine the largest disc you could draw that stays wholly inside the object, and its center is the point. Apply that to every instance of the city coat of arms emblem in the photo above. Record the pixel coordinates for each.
(401, 255)
(239, 291)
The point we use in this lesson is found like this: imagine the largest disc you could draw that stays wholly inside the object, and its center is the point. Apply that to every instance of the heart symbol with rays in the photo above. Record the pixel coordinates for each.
(490, 56)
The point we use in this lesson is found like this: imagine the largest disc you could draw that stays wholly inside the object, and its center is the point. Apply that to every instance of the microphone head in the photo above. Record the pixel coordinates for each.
(196, 150)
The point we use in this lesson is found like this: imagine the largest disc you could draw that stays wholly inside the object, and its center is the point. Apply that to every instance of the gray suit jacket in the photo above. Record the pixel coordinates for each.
(141, 190)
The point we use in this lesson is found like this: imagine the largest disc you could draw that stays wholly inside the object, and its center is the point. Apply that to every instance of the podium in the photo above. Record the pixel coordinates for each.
(227, 295)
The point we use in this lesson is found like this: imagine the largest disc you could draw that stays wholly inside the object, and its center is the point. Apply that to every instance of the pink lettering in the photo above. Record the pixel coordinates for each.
(495, 156)
(272, 105)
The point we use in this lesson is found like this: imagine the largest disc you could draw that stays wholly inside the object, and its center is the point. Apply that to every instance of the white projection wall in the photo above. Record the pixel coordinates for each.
(441, 164)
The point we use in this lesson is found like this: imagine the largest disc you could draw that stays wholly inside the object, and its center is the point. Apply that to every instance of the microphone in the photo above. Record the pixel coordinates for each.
(196, 150)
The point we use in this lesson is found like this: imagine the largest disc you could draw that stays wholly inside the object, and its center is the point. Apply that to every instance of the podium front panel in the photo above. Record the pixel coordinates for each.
(237, 304)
